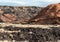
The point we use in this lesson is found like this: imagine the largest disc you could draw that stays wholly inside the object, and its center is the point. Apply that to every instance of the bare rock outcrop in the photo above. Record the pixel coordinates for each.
(49, 15)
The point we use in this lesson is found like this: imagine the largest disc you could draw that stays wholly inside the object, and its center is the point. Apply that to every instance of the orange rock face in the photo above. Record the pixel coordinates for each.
(49, 15)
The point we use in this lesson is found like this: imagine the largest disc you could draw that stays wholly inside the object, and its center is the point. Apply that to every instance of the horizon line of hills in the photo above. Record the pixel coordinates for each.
(30, 14)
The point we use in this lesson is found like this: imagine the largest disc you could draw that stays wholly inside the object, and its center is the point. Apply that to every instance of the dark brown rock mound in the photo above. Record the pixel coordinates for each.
(11, 14)
(49, 15)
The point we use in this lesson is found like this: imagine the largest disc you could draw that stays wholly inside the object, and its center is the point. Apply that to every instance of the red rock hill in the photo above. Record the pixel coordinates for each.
(49, 15)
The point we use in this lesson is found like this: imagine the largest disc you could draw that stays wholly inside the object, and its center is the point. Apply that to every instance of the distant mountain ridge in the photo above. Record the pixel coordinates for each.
(11, 14)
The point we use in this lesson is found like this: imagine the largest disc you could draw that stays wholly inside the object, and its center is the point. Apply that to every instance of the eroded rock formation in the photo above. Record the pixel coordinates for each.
(49, 15)
(31, 15)
(11, 14)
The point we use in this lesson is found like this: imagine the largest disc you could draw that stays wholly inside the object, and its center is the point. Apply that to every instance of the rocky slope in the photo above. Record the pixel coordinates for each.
(9, 14)
(20, 34)
(49, 15)
(31, 15)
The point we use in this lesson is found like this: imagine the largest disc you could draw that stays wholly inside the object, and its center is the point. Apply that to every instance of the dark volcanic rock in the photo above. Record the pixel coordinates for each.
(31, 34)
(11, 14)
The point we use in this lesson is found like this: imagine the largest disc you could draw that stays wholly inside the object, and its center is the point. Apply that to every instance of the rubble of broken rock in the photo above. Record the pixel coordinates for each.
(30, 34)
(22, 14)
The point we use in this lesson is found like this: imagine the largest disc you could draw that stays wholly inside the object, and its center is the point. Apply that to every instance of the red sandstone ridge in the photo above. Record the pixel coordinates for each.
(49, 15)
